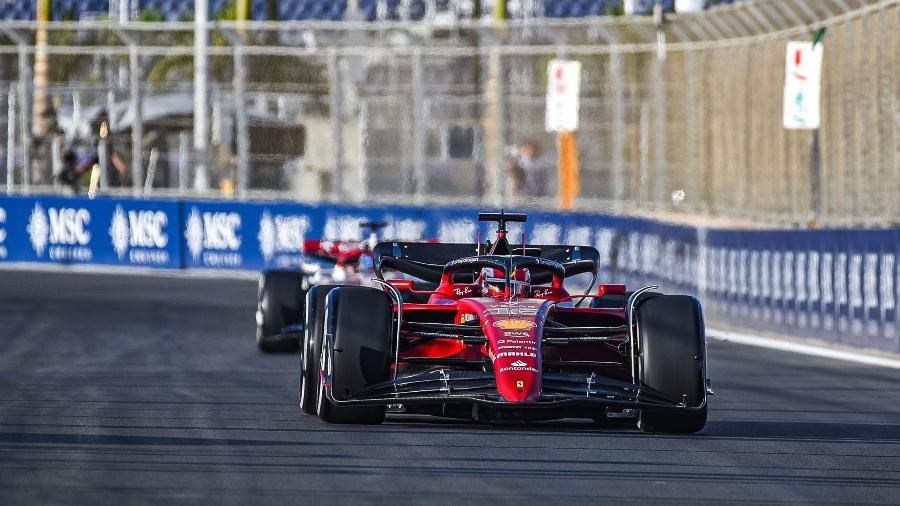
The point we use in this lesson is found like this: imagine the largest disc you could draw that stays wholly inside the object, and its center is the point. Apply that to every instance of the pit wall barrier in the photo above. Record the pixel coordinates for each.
(834, 285)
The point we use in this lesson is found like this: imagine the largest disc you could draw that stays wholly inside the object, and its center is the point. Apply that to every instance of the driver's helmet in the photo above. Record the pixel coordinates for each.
(493, 283)
(520, 283)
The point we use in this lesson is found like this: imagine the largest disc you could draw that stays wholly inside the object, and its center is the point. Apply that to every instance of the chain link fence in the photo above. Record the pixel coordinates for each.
(689, 107)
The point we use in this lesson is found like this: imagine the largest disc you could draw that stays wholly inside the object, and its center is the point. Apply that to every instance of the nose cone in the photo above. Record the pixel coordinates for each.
(517, 381)
(513, 330)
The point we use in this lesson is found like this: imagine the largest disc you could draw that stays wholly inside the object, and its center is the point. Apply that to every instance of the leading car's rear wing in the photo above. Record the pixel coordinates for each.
(426, 260)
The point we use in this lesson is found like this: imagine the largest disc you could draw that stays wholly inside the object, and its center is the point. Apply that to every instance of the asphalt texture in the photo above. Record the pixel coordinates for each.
(149, 390)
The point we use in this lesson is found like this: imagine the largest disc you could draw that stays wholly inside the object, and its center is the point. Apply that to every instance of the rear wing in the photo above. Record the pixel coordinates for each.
(426, 260)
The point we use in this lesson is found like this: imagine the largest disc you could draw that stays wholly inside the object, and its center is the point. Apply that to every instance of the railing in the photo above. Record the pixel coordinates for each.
(425, 113)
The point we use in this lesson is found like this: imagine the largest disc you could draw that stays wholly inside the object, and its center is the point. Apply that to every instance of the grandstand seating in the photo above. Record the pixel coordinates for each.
(174, 10)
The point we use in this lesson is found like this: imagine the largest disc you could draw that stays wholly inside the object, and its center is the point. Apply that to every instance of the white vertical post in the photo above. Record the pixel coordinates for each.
(240, 112)
(25, 115)
(617, 71)
(419, 128)
(201, 124)
(137, 125)
(183, 161)
(337, 124)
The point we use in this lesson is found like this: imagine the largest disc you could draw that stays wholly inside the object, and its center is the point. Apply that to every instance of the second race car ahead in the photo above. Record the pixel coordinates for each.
(282, 293)
(492, 333)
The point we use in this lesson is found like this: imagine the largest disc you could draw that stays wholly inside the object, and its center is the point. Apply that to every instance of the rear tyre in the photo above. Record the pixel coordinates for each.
(311, 346)
(672, 356)
(280, 304)
(360, 320)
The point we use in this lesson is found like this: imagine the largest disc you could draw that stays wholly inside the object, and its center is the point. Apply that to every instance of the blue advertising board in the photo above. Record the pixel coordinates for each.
(102, 231)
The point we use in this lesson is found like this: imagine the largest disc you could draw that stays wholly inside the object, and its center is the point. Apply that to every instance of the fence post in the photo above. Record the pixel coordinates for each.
(336, 107)
(419, 129)
(137, 126)
(240, 111)
(11, 139)
(25, 115)
(659, 131)
(616, 72)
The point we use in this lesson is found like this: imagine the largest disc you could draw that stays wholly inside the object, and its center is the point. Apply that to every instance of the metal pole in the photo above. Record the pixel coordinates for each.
(337, 124)
(240, 111)
(137, 126)
(25, 116)
(616, 73)
(11, 139)
(201, 123)
(419, 128)
(183, 160)
(659, 130)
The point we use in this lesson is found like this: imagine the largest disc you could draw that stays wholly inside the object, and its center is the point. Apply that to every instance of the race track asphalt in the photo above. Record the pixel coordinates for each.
(122, 389)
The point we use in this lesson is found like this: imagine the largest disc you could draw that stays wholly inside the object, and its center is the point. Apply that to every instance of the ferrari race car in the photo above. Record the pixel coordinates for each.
(490, 332)
(282, 293)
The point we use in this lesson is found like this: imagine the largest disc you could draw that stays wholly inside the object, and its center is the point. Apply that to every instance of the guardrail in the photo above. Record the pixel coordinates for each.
(835, 285)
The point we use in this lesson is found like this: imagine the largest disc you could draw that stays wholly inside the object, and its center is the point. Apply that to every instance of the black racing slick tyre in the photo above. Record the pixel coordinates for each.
(280, 304)
(358, 322)
(311, 346)
(672, 361)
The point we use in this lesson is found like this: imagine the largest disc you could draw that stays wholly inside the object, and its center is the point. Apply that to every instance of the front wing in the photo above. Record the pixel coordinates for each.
(446, 386)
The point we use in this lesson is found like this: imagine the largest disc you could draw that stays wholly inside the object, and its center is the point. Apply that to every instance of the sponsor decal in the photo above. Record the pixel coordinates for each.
(281, 237)
(343, 228)
(514, 324)
(462, 291)
(141, 235)
(405, 229)
(518, 363)
(542, 292)
(515, 354)
(460, 230)
(515, 333)
(515, 341)
(467, 317)
(62, 232)
(214, 237)
(518, 368)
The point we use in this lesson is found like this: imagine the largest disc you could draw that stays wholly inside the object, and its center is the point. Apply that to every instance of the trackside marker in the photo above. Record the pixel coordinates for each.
(803, 349)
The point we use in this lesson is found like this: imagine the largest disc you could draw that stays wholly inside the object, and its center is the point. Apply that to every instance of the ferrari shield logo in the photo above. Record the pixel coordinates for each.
(520, 385)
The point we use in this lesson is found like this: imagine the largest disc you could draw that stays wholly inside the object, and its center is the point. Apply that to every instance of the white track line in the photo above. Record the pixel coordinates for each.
(804, 349)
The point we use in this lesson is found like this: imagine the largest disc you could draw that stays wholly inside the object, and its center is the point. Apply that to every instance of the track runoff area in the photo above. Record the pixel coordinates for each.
(149, 388)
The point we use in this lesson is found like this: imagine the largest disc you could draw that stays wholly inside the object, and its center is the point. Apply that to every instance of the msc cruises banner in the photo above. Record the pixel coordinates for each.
(839, 285)
(103, 231)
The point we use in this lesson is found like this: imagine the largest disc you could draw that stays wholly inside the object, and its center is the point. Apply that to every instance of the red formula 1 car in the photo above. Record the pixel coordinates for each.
(496, 335)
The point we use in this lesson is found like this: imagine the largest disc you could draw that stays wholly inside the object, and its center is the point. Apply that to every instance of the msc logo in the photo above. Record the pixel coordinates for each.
(138, 229)
(213, 231)
(281, 234)
(58, 226)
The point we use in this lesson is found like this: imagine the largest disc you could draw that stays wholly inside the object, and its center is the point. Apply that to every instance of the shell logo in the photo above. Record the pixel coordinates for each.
(514, 324)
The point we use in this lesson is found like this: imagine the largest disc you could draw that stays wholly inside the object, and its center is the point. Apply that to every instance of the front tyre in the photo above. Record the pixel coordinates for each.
(672, 361)
(279, 305)
(311, 346)
(358, 323)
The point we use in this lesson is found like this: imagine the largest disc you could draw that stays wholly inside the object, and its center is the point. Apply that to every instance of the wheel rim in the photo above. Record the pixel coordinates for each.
(321, 390)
